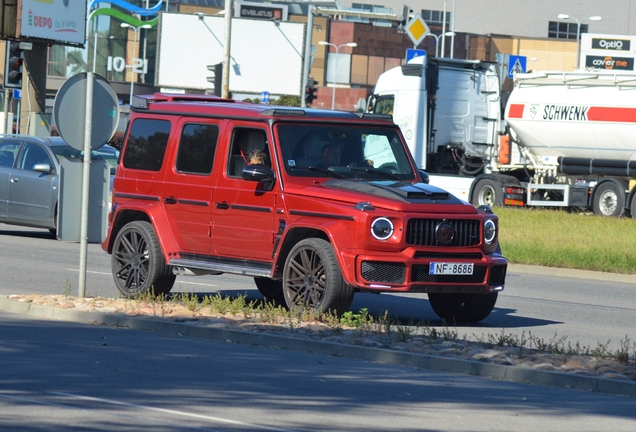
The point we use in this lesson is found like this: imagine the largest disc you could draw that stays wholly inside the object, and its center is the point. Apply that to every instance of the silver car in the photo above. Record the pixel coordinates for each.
(29, 177)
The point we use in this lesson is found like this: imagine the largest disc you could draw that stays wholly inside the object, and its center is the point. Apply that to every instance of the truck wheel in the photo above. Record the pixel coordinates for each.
(270, 288)
(462, 307)
(632, 207)
(488, 192)
(609, 200)
(312, 279)
(137, 262)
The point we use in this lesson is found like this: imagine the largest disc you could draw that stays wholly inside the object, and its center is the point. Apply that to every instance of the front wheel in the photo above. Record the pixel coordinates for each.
(460, 308)
(487, 192)
(609, 200)
(137, 262)
(312, 279)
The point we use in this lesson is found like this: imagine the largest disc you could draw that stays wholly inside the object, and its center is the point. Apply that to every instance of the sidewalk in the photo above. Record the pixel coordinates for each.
(571, 273)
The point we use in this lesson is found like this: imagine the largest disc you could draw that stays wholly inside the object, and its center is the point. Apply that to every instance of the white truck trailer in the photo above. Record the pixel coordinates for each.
(568, 139)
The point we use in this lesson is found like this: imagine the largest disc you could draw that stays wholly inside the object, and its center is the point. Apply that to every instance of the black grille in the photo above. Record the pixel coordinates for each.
(421, 232)
(420, 274)
(385, 272)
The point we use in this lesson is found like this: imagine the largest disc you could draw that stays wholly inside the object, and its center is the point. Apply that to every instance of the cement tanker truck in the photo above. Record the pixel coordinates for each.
(571, 142)
(568, 139)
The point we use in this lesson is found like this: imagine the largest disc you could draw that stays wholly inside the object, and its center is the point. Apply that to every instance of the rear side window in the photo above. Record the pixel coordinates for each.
(147, 144)
(196, 148)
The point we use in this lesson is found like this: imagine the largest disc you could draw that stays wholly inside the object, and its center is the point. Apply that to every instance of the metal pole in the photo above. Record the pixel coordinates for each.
(5, 127)
(228, 37)
(132, 65)
(452, 49)
(307, 58)
(436, 45)
(578, 42)
(443, 29)
(85, 183)
(335, 64)
(95, 45)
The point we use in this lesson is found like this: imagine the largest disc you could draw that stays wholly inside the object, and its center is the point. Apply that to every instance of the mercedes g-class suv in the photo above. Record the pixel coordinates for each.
(315, 205)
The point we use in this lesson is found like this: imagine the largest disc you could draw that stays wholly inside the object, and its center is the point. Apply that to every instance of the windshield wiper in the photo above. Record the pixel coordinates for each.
(322, 170)
(374, 171)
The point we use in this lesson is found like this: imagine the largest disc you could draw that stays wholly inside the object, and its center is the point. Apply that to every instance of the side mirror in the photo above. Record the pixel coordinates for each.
(423, 176)
(43, 167)
(262, 174)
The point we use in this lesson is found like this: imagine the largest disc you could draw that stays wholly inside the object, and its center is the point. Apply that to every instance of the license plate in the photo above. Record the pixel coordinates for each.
(444, 268)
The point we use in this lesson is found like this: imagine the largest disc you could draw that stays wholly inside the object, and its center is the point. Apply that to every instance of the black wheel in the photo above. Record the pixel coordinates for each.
(137, 262)
(270, 288)
(632, 206)
(609, 200)
(312, 279)
(462, 307)
(487, 192)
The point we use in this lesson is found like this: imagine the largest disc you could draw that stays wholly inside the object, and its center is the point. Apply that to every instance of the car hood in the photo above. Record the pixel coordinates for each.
(394, 195)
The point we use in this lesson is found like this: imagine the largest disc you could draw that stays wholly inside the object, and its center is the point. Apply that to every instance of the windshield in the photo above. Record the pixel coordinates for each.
(105, 152)
(360, 152)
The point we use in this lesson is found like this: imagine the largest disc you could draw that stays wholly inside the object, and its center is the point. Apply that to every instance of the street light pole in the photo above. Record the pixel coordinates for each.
(132, 64)
(337, 47)
(578, 32)
(448, 33)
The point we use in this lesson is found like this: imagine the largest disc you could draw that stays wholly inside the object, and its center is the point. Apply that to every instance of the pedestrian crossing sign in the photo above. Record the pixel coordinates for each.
(516, 64)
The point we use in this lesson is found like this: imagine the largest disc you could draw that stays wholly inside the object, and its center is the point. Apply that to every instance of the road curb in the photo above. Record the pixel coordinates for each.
(399, 358)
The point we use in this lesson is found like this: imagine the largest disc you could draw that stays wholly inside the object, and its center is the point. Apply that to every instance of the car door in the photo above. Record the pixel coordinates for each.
(244, 212)
(33, 194)
(188, 187)
(8, 151)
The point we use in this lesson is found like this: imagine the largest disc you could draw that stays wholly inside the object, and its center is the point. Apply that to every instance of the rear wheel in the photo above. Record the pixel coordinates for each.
(609, 200)
(462, 307)
(312, 279)
(137, 262)
(632, 206)
(270, 288)
(487, 192)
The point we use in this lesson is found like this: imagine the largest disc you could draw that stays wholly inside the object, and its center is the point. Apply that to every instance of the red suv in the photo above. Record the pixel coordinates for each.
(315, 205)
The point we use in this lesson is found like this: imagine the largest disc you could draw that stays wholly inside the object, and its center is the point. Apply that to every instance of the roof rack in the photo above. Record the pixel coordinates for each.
(142, 101)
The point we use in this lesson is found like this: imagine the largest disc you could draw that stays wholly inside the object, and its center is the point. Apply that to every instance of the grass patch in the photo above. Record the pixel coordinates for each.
(556, 238)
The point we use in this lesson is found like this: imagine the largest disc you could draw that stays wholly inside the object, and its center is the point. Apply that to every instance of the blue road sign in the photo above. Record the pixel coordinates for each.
(412, 53)
(17, 94)
(516, 64)
(265, 96)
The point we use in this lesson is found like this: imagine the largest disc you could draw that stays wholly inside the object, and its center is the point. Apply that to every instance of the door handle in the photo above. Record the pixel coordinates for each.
(222, 206)
(14, 179)
(171, 200)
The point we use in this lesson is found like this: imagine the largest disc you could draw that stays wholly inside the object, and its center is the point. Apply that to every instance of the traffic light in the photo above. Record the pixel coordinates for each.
(310, 91)
(217, 78)
(13, 65)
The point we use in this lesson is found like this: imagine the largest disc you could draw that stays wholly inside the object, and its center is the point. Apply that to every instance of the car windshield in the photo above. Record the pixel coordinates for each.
(107, 153)
(357, 152)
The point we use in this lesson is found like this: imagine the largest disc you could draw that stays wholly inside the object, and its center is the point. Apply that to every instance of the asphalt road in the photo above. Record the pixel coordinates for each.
(62, 376)
(548, 307)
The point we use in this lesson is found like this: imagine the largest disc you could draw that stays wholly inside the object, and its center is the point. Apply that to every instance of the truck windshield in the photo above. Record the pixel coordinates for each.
(357, 152)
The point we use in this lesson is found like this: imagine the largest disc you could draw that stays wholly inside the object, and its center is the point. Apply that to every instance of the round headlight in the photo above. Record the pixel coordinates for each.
(382, 228)
(490, 231)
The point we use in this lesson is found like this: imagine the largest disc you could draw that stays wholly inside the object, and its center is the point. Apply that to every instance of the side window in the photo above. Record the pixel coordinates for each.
(382, 105)
(247, 143)
(33, 154)
(196, 148)
(146, 146)
(8, 151)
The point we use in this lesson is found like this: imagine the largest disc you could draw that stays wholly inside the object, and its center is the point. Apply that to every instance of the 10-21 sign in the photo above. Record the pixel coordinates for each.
(118, 64)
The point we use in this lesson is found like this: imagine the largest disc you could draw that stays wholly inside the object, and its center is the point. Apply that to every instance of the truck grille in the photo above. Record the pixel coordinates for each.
(383, 272)
(421, 232)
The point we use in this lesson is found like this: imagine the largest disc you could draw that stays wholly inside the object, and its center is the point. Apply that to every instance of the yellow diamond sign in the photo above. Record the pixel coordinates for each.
(417, 29)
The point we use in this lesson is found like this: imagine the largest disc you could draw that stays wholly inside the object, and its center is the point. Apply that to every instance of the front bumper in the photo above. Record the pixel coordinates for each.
(408, 271)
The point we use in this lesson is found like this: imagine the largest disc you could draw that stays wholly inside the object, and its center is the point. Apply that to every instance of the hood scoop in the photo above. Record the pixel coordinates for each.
(396, 190)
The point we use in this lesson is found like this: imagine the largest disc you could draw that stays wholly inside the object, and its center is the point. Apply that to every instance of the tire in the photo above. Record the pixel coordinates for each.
(487, 192)
(632, 206)
(270, 289)
(137, 262)
(312, 279)
(462, 308)
(609, 200)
